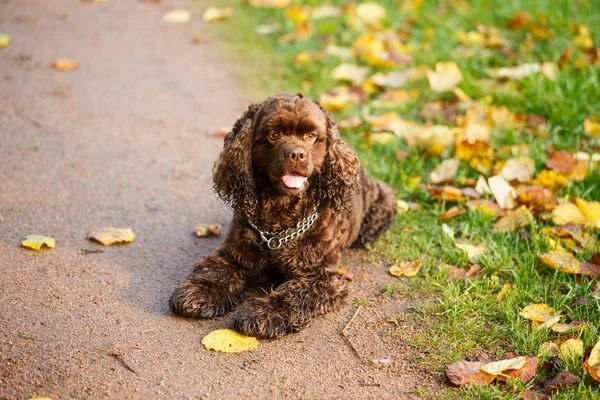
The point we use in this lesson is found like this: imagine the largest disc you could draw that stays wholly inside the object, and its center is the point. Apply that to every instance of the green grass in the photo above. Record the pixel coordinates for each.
(461, 319)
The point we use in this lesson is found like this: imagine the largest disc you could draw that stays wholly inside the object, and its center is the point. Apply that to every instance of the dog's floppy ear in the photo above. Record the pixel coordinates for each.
(232, 172)
(339, 174)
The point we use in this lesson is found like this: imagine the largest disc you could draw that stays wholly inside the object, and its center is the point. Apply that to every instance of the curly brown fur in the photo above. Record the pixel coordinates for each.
(283, 158)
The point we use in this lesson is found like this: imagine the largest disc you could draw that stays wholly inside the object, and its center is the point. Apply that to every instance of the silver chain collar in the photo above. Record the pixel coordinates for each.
(274, 240)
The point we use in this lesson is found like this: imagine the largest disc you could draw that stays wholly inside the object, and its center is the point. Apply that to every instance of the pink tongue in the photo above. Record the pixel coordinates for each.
(294, 181)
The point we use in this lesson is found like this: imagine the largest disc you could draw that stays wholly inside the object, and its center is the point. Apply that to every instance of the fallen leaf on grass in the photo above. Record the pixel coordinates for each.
(177, 16)
(204, 230)
(445, 77)
(538, 312)
(504, 194)
(36, 242)
(518, 169)
(65, 65)
(228, 341)
(444, 171)
(533, 395)
(109, 235)
(591, 211)
(461, 273)
(452, 212)
(270, 3)
(564, 261)
(406, 268)
(464, 373)
(4, 40)
(573, 326)
(370, 13)
(486, 207)
(537, 198)
(562, 162)
(567, 213)
(560, 381)
(216, 14)
(590, 126)
(447, 193)
(474, 251)
(526, 372)
(522, 71)
(505, 289)
(338, 98)
(571, 349)
(514, 219)
(350, 72)
(592, 364)
(549, 349)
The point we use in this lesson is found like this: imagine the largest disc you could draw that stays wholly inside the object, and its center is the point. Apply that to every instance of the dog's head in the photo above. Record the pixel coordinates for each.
(286, 146)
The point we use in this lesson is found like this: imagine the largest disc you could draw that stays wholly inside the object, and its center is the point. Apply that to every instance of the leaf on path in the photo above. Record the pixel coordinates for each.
(571, 349)
(518, 169)
(560, 381)
(463, 373)
(228, 341)
(177, 16)
(564, 261)
(350, 72)
(504, 194)
(538, 312)
(591, 211)
(216, 14)
(567, 213)
(270, 3)
(4, 40)
(445, 77)
(36, 242)
(109, 235)
(444, 171)
(406, 268)
(65, 65)
(204, 230)
(474, 251)
(514, 219)
(592, 364)
(221, 132)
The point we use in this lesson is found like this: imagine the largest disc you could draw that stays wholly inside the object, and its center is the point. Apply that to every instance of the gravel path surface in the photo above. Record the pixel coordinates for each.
(123, 141)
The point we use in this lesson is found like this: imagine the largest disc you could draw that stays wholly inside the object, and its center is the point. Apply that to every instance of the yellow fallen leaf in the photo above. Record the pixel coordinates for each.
(4, 40)
(566, 262)
(498, 367)
(37, 241)
(350, 72)
(592, 364)
(573, 326)
(549, 323)
(370, 13)
(591, 211)
(514, 219)
(567, 213)
(64, 65)
(571, 349)
(549, 179)
(549, 349)
(406, 268)
(338, 98)
(177, 16)
(538, 312)
(504, 194)
(590, 126)
(473, 251)
(445, 77)
(204, 230)
(109, 235)
(482, 186)
(326, 11)
(583, 40)
(228, 341)
(444, 171)
(344, 53)
(269, 3)
(505, 289)
(298, 14)
(518, 168)
(217, 14)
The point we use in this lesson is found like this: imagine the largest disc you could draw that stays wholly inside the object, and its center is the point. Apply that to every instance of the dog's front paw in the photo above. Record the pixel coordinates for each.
(263, 319)
(202, 301)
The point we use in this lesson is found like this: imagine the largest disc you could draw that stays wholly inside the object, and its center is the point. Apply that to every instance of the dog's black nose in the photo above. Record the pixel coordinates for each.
(295, 153)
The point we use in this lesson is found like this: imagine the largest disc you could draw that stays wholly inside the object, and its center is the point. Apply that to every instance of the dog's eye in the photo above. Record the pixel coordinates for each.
(274, 135)
(310, 136)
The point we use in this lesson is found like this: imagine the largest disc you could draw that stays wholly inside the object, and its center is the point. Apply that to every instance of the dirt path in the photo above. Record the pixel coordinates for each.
(122, 141)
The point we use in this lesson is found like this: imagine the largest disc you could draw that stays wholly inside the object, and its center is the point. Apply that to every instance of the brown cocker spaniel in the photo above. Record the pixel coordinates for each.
(299, 197)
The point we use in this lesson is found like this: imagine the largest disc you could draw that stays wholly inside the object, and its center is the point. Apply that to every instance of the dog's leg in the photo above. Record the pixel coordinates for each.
(291, 305)
(379, 215)
(215, 287)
